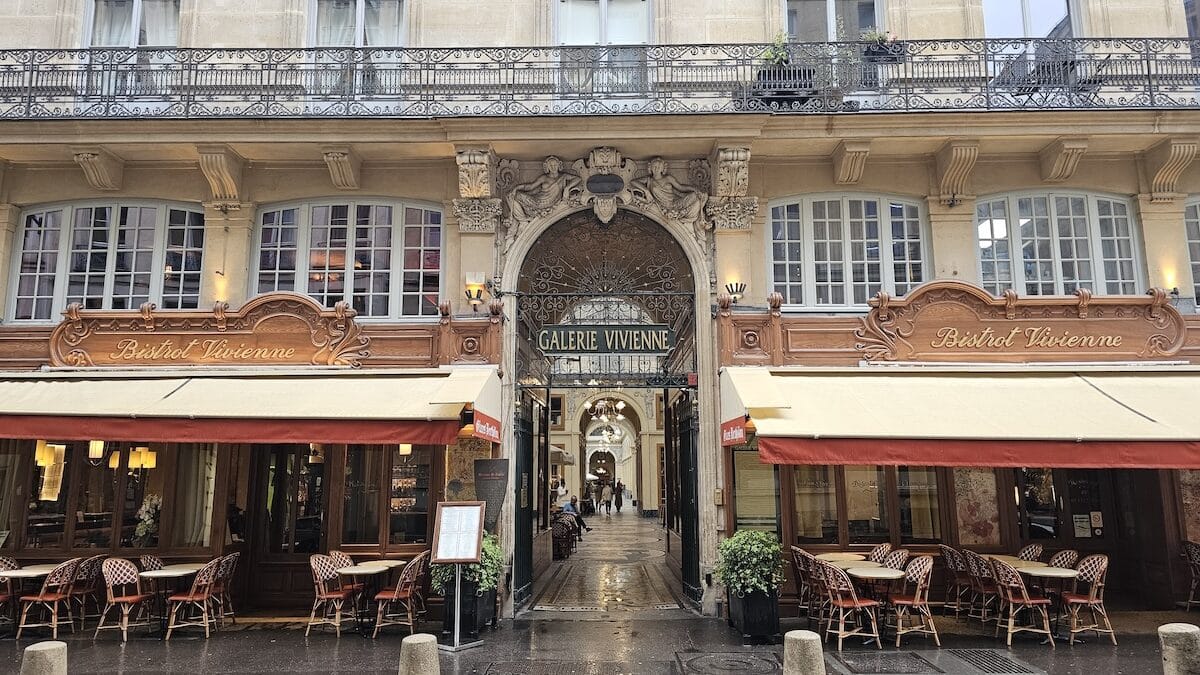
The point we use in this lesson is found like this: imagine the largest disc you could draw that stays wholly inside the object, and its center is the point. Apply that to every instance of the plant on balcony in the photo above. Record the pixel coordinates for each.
(779, 83)
(750, 565)
(881, 46)
(479, 580)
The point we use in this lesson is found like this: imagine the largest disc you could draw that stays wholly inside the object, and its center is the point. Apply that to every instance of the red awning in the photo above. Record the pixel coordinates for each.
(990, 453)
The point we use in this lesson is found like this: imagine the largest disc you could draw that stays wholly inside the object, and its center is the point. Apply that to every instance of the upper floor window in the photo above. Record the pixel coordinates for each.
(358, 23)
(1054, 244)
(830, 20)
(841, 251)
(107, 256)
(604, 22)
(1191, 218)
(135, 23)
(1026, 19)
(385, 259)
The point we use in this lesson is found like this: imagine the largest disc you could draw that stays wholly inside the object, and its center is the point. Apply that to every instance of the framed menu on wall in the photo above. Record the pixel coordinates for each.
(458, 532)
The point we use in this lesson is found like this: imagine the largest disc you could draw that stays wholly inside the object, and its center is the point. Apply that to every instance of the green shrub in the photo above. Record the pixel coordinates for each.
(485, 573)
(750, 561)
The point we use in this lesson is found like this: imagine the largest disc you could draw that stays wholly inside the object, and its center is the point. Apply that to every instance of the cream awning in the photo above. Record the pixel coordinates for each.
(163, 405)
(943, 407)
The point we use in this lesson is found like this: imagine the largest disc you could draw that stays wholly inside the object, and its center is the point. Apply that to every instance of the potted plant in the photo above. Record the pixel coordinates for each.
(478, 602)
(881, 47)
(750, 565)
(779, 83)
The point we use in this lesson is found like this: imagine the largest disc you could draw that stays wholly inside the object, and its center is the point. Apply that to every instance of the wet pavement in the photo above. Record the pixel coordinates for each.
(602, 612)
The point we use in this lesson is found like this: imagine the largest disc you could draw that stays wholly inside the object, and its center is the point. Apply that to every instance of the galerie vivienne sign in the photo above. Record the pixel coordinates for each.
(274, 329)
(953, 321)
(630, 339)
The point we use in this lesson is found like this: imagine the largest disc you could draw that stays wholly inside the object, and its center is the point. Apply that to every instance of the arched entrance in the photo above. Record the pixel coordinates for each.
(606, 308)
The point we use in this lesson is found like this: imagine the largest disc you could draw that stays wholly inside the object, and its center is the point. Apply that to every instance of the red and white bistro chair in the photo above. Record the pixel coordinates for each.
(222, 595)
(1016, 599)
(1031, 553)
(86, 588)
(197, 600)
(123, 589)
(7, 593)
(54, 594)
(915, 604)
(332, 604)
(845, 604)
(878, 553)
(958, 581)
(1092, 571)
(398, 606)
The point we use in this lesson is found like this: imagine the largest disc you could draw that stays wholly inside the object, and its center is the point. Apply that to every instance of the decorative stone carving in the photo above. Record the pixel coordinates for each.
(102, 169)
(732, 173)
(223, 169)
(700, 172)
(604, 196)
(477, 215)
(1061, 158)
(538, 197)
(732, 213)
(849, 161)
(676, 200)
(476, 179)
(955, 161)
(344, 166)
(1168, 160)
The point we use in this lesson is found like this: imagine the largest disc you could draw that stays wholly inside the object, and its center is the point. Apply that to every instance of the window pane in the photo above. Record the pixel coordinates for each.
(280, 472)
(1039, 503)
(195, 481)
(142, 508)
(409, 497)
(854, 17)
(335, 23)
(134, 252)
(421, 262)
(364, 475)
(160, 23)
(920, 520)
(39, 265)
(310, 505)
(579, 22)
(112, 23)
(787, 252)
(816, 505)
(383, 20)
(183, 260)
(808, 20)
(1192, 220)
(278, 251)
(1049, 18)
(372, 268)
(866, 504)
(757, 496)
(11, 506)
(89, 257)
(94, 504)
(1007, 19)
(48, 496)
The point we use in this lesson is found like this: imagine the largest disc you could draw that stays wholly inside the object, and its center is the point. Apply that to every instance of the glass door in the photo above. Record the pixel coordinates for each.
(291, 486)
(1064, 508)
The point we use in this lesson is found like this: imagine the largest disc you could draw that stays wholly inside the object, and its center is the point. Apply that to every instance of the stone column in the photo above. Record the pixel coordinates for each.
(228, 243)
(953, 243)
(9, 217)
(1165, 237)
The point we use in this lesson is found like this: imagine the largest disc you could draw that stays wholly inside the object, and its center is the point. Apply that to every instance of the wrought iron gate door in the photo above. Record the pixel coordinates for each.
(522, 585)
(685, 432)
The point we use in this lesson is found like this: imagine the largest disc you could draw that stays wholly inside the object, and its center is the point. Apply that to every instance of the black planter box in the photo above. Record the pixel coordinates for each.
(477, 610)
(755, 615)
(784, 85)
(884, 53)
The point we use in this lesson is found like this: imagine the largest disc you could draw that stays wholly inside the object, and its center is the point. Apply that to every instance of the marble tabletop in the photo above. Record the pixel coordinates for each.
(875, 573)
(830, 557)
(361, 570)
(1050, 572)
(847, 564)
(167, 573)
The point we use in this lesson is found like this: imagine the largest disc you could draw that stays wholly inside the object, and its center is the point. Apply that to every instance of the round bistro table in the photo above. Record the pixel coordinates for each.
(830, 557)
(853, 564)
(161, 579)
(20, 576)
(1059, 574)
(371, 587)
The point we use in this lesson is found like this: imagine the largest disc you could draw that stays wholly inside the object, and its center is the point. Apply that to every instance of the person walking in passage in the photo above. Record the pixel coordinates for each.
(572, 507)
(606, 496)
(619, 494)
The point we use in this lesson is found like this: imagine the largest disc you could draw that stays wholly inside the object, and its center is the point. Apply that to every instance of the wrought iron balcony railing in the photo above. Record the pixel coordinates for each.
(914, 75)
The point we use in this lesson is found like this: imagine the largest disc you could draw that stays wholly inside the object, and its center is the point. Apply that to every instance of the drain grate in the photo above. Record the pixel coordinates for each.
(568, 608)
(881, 663)
(563, 668)
(743, 663)
(992, 662)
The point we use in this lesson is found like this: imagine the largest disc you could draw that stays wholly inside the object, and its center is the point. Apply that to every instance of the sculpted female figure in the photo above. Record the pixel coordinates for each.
(530, 200)
(681, 201)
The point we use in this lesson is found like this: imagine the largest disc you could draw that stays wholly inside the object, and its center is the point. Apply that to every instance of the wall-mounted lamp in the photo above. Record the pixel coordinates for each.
(316, 453)
(475, 288)
(95, 453)
(405, 449)
(1174, 293)
(736, 289)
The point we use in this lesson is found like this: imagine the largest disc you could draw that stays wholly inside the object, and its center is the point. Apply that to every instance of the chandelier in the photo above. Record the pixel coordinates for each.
(605, 410)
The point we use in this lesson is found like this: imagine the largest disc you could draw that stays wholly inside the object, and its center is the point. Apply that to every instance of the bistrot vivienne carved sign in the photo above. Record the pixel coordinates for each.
(954, 321)
(274, 329)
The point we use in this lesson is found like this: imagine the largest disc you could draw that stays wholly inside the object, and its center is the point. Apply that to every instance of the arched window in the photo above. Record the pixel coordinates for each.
(840, 250)
(383, 257)
(1056, 242)
(1191, 218)
(106, 255)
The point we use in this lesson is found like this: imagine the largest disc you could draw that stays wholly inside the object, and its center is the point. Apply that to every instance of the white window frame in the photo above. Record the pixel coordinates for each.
(1191, 214)
(1026, 28)
(808, 263)
(360, 27)
(1099, 281)
(62, 271)
(831, 20)
(396, 261)
(604, 41)
(89, 25)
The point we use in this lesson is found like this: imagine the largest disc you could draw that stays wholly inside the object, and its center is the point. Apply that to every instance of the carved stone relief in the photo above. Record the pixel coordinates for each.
(477, 215)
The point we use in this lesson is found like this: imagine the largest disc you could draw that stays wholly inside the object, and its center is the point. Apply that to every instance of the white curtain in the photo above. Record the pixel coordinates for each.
(628, 22)
(383, 22)
(579, 22)
(195, 481)
(335, 23)
(160, 23)
(112, 23)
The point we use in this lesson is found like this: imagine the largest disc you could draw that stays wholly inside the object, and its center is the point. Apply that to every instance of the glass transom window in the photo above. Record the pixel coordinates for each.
(385, 259)
(1055, 244)
(106, 256)
(840, 251)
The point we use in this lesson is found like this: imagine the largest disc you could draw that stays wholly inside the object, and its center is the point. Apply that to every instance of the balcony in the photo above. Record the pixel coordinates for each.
(844, 78)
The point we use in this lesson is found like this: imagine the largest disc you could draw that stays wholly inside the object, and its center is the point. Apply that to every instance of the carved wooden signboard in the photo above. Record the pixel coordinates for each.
(954, 321)
(274, 329)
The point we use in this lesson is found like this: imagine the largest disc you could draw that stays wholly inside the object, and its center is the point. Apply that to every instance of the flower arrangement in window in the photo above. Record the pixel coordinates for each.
(147, 528)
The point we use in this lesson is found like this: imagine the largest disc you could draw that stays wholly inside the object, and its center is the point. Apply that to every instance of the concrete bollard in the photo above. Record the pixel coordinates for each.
(802, 653)
(1180, 644)
(45, 658)
(419, 655)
